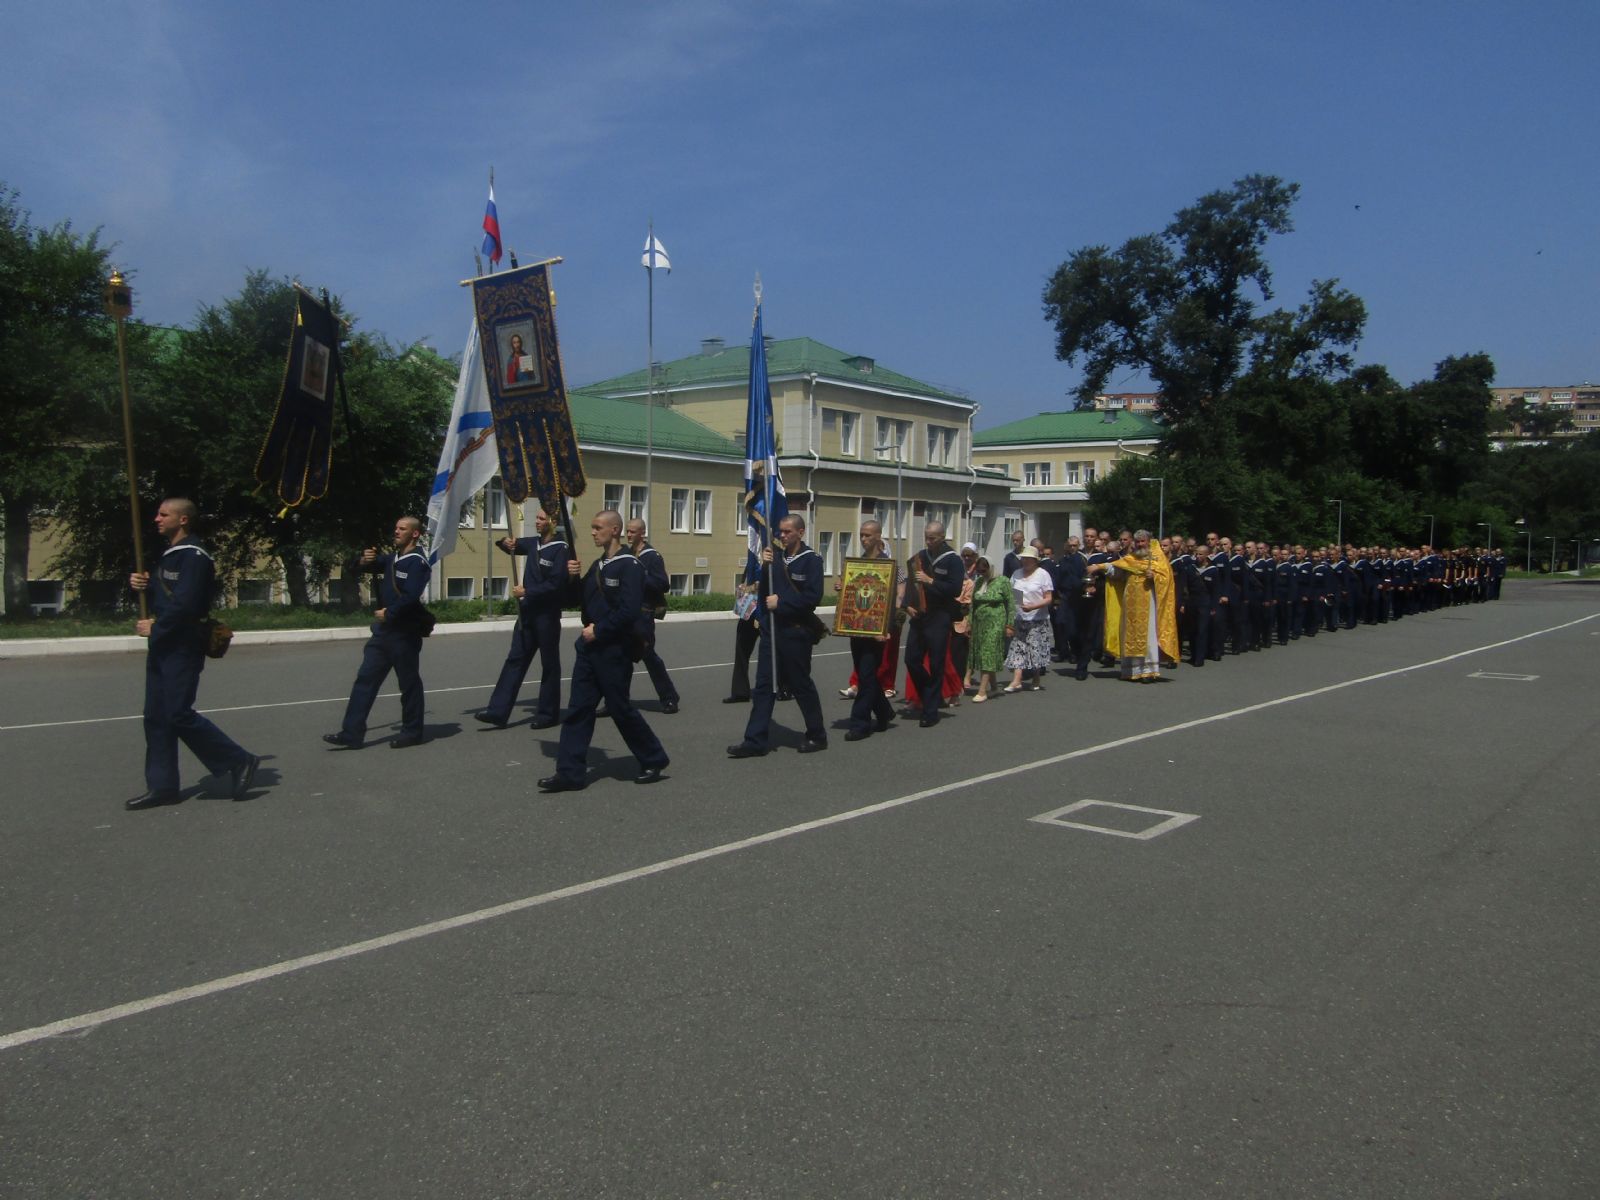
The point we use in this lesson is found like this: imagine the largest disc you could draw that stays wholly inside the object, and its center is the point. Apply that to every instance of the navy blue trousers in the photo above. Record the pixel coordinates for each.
(603, 673)
(538, 633)
(927, 642)
(872, 707)
(794, 672)
(387, 650)
(171, 679)
(666, 692)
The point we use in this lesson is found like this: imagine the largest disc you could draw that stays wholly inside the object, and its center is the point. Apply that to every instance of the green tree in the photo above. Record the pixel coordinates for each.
(57, 372)
(200, 420)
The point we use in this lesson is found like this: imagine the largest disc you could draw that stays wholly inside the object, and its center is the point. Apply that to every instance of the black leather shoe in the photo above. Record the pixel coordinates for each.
(242, 776)
(736, 699)
(543, 723)
(560, 783)
(497, 722)
(407, 740)
(650, 775)
(858, 735)
(929, 722)
(1080, 676)
(746, 750)
(810, 747)
(151, 800)
(342, 740)
(669, 707)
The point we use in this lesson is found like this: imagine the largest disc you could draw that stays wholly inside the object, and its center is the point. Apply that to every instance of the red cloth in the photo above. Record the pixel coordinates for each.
(951, 685)
(891, 656)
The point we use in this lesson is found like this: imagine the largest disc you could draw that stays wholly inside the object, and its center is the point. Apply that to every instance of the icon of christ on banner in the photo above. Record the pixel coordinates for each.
(533, 427)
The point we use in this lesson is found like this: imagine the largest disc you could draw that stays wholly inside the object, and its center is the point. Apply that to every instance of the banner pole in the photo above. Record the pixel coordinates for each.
(119, 303)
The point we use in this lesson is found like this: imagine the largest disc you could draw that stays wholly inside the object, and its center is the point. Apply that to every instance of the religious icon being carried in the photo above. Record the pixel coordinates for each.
(866, 598)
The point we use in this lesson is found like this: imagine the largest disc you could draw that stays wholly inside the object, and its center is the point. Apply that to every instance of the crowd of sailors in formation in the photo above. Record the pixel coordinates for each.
(1125, 600)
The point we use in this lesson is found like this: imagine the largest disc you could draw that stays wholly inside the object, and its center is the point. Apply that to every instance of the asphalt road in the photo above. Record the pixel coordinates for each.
(1368, 967)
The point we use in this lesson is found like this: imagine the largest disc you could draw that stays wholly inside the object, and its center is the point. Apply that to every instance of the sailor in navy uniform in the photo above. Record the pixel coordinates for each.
(938, 568)
(791, 589)
(396, 641)
(1091, 616)
(1206, 585)
(611, 592)
(657, 583)
(1262, 604)
(184, 576)
(1072, 570)
(1011, 563)
(538, 631)
(1286, 593)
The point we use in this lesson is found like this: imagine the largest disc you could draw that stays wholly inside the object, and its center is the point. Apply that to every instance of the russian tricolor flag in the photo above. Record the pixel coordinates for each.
(491, 229)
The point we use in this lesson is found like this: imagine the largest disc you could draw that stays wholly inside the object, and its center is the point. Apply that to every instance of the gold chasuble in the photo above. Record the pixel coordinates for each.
(1135, 583)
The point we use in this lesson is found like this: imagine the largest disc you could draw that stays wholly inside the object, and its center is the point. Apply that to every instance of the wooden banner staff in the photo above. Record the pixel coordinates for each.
(119, 305)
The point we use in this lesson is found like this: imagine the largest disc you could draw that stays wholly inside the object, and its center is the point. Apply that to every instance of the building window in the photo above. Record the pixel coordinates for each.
(459, 589)
(845, 424)
(636, 500)
(895, 439)
(1036, 474)
(702, 585)
(614, 497)
(702, 510)
(939, 513)
(468, 517)
(825, 549)
(677, 583)
(846, 540)
(496, 587)
(46, 596)
(255, 591)
(1013, 524)
(680, 510)
(494, 500)
(942, 445)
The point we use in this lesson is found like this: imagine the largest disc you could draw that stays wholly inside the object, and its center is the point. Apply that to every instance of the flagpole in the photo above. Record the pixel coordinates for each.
(772, 470)
(650, 372)
(119, 304)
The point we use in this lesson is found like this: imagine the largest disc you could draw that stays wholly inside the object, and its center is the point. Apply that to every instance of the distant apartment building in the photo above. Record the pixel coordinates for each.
(1543, 412)
(1144, 403)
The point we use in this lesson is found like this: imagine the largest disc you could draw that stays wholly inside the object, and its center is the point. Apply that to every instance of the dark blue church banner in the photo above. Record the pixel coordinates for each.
(296, 458)
(532, 424)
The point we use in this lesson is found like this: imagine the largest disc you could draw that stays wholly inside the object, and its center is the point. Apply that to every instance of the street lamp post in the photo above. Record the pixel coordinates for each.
(899, 489)
(1490, 528)
(1529, 535)
(1339, 538)
(1431, 545)
(1161, 503)
(1552, 540)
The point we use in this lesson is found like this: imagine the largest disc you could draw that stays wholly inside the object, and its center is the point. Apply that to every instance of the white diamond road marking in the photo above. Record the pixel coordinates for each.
(1502, 675)
(1174, 820)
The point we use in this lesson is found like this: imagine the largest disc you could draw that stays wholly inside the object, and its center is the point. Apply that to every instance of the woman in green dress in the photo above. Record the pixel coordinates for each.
(993, 614)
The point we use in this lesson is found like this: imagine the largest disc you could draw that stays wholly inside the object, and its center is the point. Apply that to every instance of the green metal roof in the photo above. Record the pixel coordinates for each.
(622, 423)
(1085, 426)
(785, 357)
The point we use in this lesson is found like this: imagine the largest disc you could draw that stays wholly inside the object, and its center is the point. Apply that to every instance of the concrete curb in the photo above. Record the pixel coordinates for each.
(44, 647)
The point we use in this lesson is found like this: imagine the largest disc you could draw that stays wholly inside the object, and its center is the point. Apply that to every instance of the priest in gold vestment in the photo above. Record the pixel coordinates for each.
(1143, 597)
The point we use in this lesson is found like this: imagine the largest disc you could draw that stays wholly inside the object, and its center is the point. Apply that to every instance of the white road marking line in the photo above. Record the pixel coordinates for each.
(1502, 675)
(473, 687)
(84, 1021)
(1175, 820)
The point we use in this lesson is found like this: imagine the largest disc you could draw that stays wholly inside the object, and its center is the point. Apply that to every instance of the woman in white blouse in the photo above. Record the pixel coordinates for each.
(1031, 647)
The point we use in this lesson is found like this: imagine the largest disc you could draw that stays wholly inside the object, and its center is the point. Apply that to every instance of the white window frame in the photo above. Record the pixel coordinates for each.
(702, 513)
(896, 433)
(613, 497)
(638, 496)
(942, 445)
(701, 584)
(678, 510)
(676, 584)
(496, 512)
(452, 587)
(1036, 474)
(825, 550)
(497, 587)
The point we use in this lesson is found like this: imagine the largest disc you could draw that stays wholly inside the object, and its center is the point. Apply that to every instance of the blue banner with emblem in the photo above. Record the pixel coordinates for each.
(296, 458)
(533, 427)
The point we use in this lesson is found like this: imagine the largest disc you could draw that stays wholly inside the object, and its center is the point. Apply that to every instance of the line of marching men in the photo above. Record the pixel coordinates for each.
(1256, 595)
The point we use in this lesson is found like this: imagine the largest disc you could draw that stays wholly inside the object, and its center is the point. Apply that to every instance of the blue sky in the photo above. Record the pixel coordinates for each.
(904, 174)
